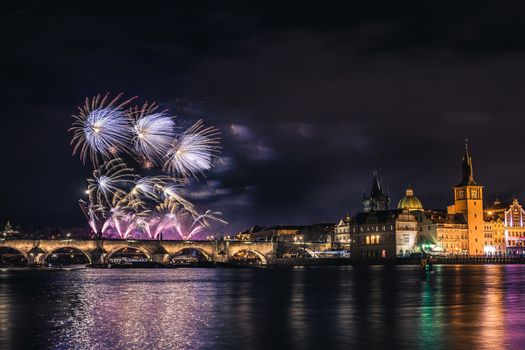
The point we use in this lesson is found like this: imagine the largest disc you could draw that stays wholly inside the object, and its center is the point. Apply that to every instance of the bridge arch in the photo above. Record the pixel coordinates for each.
(24, 254)
(200, 250)
(48, 254)
(247, 251)
(122, 247)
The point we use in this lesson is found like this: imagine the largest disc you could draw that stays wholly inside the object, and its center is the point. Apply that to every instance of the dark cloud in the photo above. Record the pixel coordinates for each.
(310, 100)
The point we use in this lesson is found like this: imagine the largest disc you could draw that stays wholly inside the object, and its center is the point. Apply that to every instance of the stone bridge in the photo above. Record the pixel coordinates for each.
(100, 251)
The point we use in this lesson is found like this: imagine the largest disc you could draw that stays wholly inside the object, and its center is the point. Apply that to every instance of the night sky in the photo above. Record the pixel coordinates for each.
(310, 100)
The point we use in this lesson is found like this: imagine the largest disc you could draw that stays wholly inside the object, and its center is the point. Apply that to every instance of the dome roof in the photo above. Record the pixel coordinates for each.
(410, 201)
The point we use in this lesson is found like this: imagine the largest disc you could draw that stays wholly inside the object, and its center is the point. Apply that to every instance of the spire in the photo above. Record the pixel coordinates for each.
(376, 189)
(468, 171)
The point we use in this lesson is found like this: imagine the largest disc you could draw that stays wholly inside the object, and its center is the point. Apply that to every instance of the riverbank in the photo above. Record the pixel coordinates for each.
(291, 262)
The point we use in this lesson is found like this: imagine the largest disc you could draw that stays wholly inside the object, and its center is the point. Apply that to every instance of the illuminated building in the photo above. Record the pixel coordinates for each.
(406, 233)
(468, 200)
(506, 228)
(462, 229)
(383, 234)
(441, 232)
(342, 233)
(495, 228)
(311, 233)
(9, 231)
(379, 234)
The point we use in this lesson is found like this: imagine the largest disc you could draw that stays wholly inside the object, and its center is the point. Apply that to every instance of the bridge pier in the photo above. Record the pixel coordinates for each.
(36, 256)
(160, 255)
(99, 256)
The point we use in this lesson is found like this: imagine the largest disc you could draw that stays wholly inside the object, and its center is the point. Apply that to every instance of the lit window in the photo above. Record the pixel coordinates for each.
(367, 240)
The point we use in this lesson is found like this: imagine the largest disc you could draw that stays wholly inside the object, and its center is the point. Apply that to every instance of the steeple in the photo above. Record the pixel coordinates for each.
(377, 200)
(376, 189)
(468, 171)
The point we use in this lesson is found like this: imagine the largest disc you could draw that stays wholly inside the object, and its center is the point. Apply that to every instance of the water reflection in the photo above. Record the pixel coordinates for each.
(341, 307)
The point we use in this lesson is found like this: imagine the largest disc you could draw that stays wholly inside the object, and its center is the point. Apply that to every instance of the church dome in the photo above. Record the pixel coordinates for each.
(409, 201)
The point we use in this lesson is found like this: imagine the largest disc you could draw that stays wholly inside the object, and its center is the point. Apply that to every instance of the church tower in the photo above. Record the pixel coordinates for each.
(468, 200)
(377, 200)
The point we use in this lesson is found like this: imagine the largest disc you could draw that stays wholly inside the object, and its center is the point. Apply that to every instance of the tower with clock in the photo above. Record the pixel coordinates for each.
(468, 200)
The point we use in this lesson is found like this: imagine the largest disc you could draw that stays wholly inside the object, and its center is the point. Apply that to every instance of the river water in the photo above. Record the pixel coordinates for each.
(458, 307)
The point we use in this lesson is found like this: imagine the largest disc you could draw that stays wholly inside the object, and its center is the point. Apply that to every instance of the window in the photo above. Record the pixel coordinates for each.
(377, 239)
(367, 240)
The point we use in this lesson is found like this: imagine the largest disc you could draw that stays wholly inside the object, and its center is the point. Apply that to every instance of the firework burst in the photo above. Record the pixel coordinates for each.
(101, 128)
(153, 132)
(193, 151)
(110, 182)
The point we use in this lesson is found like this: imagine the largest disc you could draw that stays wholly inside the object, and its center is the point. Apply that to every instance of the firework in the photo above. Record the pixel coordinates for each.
(124, 205)
(109, 182)
(92, 215)
(157, 224)
(148, 188)
(172, 197)
(101, 128)
(188, 226)
(153, 132)
(122, 219)
(192, 152)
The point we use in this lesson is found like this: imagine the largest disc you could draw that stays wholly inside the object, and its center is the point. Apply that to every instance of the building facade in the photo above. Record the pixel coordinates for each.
(442, 233)
(505, 228)
(468, 201)
(380, 234)
(342, 234)
(383, 235)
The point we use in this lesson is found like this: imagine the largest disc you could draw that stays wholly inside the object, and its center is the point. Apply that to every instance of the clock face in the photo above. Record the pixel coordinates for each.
(461, 194)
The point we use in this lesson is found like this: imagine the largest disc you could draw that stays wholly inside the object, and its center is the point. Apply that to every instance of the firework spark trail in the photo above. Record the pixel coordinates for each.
(109, 181)
(187, 226)
(105, 226)
(146, 225)
(172, 196)
(164, 223)
(101, 128)
(192, 152)
(153, 132)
